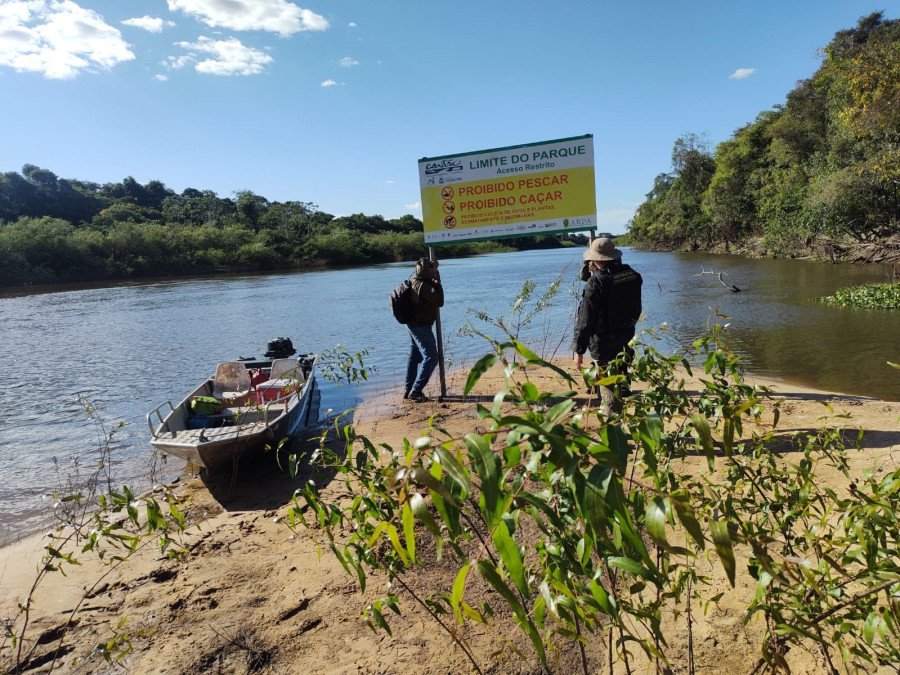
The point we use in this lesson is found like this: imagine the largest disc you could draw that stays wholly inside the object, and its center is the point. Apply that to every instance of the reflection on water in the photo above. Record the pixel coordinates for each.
(130, 347)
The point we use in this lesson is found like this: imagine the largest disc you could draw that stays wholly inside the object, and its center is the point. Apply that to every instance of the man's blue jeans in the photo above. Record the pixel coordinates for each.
(422, 350)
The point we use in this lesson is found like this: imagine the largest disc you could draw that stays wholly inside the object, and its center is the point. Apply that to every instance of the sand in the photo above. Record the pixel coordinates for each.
(252, 595)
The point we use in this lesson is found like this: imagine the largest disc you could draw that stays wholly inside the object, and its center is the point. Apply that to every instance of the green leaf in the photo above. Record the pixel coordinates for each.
(509, 554)
(409, 530)
(379, 620)
(593, 499)
(629, 565)
(448, 509)
(543, 507)
(560, 409)
(394, 536)
(456, 594)
(420, 476)
(728, 436)
(473, 613)
(606, 603)
(487, 466)
(376, 533)
(534, 359)
(479, 369)
(649, 432)
(512, 455)
(787, 629)
(499, 398)
(420, 510)
(525, 352)
(869, 627)
(618, 442)
(704, 437)
(487, 570)
(621, 515)
(722, 540)
(680, 501)
(655, 520)
(455, 471)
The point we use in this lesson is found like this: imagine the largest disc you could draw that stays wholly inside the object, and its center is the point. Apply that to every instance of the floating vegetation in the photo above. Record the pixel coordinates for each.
(868, 296)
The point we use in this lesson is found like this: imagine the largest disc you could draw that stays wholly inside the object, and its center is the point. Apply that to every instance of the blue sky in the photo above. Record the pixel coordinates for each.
(334, 102)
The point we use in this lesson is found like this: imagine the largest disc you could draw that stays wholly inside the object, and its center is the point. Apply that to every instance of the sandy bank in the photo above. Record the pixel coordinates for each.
(252, 591)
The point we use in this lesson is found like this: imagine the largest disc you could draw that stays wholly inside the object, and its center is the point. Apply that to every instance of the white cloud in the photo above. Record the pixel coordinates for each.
(390, 182)
(352, 24)
(178, 62)
(742, 73)
(59, 39)
(160, 77)
(415, 206)
(275, 16)
(229, 57)
(332, 83)
(348, 62)
(151, 24)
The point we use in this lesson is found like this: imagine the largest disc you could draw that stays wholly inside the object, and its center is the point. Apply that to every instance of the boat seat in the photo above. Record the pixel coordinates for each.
(247, 410)
(285, 375)
(231, 385)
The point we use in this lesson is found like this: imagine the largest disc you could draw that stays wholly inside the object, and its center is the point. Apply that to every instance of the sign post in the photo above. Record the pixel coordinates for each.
(516, 191)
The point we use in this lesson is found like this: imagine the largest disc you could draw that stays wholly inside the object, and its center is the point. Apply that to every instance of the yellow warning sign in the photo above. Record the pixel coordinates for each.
(509, 192)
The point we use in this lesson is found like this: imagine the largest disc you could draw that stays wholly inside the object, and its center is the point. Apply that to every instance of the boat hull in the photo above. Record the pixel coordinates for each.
(245, 431)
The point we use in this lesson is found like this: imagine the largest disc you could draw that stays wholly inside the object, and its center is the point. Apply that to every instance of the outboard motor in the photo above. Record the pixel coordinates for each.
(280, 348)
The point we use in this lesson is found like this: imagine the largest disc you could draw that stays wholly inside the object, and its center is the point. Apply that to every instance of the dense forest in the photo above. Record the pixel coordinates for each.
(819, 174)
(61, 230)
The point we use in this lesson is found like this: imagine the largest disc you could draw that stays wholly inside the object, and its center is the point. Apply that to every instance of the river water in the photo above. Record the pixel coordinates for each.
(127, 348)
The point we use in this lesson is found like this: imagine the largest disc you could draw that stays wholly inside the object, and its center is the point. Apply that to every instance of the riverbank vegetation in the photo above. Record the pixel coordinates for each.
(868, 296)
(593, 530)
(818, 175)
(56, 230)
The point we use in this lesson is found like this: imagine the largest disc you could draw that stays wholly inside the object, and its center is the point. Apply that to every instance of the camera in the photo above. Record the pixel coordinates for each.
(586, 270)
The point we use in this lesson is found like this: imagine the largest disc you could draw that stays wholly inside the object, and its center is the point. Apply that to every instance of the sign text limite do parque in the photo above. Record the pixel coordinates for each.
(518, 191)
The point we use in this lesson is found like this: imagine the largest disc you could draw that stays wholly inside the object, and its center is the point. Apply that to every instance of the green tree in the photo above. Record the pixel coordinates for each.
(250, 208)
(827, 162)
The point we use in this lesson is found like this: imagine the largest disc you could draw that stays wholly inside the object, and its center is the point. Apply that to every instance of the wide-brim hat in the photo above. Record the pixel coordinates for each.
(602, 249)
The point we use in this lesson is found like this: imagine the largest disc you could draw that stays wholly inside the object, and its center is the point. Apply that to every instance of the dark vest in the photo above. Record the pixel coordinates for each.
(622, 289)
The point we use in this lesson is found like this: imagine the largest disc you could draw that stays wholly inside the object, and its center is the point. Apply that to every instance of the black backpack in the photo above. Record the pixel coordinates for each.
(402, 302)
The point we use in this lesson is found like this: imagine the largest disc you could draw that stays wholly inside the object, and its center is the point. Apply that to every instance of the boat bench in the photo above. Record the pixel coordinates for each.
(249, 413)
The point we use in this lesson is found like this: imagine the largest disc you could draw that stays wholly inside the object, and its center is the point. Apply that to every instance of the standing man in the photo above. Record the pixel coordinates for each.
(609, 309)
(428, 297)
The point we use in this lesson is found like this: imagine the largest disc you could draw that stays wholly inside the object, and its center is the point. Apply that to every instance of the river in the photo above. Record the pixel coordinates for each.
(128, 347)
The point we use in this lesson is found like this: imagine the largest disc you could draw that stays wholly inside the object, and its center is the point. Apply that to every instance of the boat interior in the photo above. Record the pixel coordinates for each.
(241, 394)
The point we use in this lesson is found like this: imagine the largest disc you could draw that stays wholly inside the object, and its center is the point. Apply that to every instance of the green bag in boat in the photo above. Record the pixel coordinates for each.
(206, 405)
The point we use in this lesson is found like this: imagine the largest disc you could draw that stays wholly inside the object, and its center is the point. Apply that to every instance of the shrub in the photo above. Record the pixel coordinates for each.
(587, 523)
